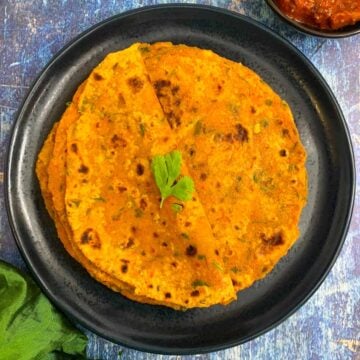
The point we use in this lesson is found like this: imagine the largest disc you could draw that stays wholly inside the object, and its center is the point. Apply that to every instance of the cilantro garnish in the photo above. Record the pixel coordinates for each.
(166, 170)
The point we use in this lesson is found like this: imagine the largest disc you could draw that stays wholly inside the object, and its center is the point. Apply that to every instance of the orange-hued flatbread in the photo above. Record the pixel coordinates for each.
(239, 143)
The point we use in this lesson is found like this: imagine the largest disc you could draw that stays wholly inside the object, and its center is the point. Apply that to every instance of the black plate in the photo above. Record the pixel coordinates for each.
(324, 222)
(339, 33)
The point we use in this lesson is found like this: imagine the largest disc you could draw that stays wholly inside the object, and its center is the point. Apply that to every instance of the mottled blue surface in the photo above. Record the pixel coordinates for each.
(328, 325)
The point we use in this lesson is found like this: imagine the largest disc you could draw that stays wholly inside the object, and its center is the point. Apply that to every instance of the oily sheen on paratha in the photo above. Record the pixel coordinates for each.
(239, 144)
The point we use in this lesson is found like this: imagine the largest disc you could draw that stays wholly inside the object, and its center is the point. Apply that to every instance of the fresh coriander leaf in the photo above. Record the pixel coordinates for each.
(166, 170)
(120, 354)
(173, 165)
(159, 170)
(183, 189)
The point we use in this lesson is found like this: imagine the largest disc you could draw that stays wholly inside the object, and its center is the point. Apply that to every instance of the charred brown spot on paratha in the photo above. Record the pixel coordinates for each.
(83, 169)
(136, 84)
(167, 295)
(274, 240)
(170, 101)
(130, 243)
(242, 133)
(121, 100)
(143, 204)
(98, 77)
(117, 141)
(91, 237)
(285, 133)
(195, 293)
(124, 268)
(191, 250)
(175, 89)
(159, 85)
(229, 138)
(122, 189)
(140, 169)
(173, 119)
(74, 148)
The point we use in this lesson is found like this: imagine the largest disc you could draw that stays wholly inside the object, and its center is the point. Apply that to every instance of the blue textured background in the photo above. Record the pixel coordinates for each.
(328, 326)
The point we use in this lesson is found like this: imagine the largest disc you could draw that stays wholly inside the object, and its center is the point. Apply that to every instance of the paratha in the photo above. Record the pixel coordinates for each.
(239, 143)
(242, 149)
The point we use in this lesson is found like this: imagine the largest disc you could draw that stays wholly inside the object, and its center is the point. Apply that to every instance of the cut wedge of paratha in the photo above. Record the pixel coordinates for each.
(112, 201)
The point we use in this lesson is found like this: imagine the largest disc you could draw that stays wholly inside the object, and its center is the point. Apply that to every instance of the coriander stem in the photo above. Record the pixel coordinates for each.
(162, 201)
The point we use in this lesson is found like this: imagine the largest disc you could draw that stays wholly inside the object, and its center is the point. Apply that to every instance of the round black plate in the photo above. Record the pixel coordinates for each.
(323, 225)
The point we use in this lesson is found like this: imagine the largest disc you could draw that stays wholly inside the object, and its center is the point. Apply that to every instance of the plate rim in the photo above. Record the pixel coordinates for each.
(9, 206)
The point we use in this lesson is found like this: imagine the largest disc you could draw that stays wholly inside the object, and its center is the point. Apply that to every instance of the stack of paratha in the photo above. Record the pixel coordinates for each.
(238, 142)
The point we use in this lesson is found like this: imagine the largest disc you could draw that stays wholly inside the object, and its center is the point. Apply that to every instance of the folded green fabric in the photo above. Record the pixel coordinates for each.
(30, 327)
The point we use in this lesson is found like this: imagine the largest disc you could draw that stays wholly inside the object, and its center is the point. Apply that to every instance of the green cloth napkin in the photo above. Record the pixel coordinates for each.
(30, 327)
